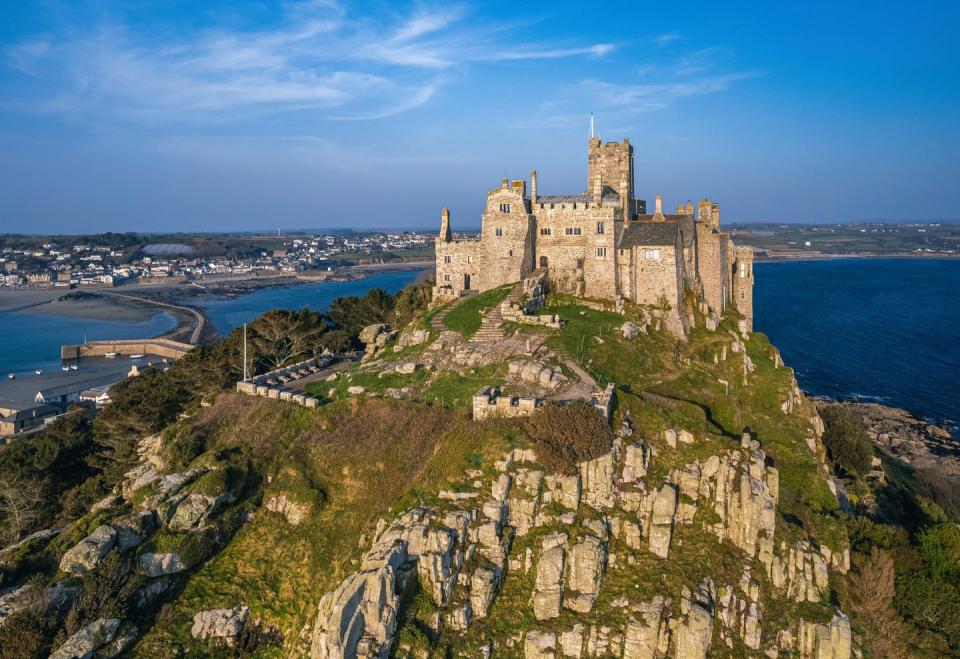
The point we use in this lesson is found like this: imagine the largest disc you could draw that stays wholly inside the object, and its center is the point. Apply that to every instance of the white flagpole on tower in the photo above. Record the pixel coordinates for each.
(244, 352)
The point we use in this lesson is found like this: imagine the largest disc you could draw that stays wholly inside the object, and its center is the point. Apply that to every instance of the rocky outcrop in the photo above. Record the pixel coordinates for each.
(547, 597)
(586, 564)
(539, 645)
(818, 641)
(375, 337)
(661, 521)
(84, 557)
(222, 624)
(107, 637)
(598, 487)
(157, 564)
(294, 512)
(134, 528)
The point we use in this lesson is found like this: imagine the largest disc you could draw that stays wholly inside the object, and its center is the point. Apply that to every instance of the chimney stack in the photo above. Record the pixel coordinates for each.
(659, 205)
(445, 234)
(533, 188)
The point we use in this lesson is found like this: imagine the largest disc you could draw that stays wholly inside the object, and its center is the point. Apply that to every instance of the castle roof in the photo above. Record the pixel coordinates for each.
(609, 196)
(649, 233)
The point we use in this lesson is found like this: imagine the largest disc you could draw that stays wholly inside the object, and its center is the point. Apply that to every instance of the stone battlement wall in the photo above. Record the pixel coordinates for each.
(270, 385)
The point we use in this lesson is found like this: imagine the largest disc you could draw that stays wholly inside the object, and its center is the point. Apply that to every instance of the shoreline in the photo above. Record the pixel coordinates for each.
(783, 258)
(137, 302)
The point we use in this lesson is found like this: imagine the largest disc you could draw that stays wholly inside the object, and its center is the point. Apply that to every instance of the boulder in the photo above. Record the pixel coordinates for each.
(539, 645)
(646, 634)
(294, 512)
(585, 568)
(597, 478)
(223, 624)
(636, 461)
(547, 596)
(84, 557)
(571, 642)
(134, 528)
(191, 511)
(661, 521)
(629, 330)
(88, 640)
(693, 634)
(355, 390)
(483, 586)
(154, 565)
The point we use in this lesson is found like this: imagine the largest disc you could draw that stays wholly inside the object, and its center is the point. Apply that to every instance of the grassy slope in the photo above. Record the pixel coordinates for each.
(466, 316)
(373, 458)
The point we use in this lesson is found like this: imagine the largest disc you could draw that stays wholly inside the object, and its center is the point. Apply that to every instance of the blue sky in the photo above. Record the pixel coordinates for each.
(182, 116)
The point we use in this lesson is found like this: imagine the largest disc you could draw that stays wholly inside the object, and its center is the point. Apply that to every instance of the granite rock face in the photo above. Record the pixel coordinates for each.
(84, 557)
(223, 624)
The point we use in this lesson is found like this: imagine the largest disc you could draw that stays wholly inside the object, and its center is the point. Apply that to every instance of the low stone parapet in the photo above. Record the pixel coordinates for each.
(488, 402)
(273, 384)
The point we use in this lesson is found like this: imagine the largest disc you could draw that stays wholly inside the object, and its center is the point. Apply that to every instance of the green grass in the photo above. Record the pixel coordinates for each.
(465, 317)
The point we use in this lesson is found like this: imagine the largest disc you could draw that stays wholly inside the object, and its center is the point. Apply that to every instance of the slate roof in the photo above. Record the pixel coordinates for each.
(649, 233)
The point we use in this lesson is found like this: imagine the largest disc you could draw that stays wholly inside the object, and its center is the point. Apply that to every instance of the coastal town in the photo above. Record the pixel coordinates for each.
(109, 260)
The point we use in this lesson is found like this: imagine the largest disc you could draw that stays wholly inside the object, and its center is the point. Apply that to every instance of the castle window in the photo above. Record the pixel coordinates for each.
(504, 208)
(580, 264)
(510, 252)
(572, 231)
(743, 270)
(446, 278)
(651, 254)
(498, 231)
(447, 259)
(469, 259)
(600, 227)
(601, 252)
(545, 231)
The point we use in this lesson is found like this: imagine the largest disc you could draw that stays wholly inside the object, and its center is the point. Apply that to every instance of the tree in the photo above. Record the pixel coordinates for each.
(566, 435)
(20, 500)
(846, 440)
(284, 337)
(873, 585)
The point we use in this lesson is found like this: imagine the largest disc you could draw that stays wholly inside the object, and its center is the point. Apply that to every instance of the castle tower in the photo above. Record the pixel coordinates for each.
(612, 162)
(445, 234)
(742, 283)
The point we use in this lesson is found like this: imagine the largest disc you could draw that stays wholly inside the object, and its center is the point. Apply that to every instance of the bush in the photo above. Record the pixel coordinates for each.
(565, 435)
(846, 440)
(940, 547)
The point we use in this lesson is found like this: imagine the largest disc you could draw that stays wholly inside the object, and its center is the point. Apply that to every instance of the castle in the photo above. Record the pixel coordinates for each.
(601, 243)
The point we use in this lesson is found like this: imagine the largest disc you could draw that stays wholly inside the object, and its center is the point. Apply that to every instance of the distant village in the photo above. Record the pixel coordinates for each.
(92, 261)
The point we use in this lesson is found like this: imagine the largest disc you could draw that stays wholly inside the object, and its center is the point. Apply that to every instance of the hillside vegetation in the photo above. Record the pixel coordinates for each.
(701, 517)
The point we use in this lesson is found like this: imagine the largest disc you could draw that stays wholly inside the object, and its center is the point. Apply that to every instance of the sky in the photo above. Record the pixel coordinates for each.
(228, 115)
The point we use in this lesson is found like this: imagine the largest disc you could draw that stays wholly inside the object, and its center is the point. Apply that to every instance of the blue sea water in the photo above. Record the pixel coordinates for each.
(33, 341)
(226, 314)
(885, 330)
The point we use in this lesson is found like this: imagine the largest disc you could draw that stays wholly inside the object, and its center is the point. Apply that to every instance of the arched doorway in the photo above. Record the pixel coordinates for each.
(543, 262)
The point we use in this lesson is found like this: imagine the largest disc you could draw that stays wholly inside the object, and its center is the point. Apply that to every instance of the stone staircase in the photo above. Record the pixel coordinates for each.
(491, 325)
(436, 323)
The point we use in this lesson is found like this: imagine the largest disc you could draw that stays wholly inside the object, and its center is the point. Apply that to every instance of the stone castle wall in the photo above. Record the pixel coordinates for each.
(574, 239)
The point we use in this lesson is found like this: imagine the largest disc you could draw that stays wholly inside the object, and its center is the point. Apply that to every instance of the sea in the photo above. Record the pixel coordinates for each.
(882, 330)
(879, 330)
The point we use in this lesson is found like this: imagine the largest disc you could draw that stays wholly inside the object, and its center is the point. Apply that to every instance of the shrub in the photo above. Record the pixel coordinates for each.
(846, 440)
(565, 435)
(940, 547)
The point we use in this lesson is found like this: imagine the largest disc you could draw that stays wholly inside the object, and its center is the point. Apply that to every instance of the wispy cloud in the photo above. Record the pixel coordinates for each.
(655, 85)
(317, 57)
(667, 38)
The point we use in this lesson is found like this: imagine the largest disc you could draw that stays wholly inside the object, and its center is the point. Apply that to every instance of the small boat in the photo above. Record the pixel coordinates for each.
(73, 367)
(39, 371)
(110, 355)
(11, 376)
(137, 356)
(65, 368)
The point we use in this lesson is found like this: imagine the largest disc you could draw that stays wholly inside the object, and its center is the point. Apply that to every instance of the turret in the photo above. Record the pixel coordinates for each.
(445, 234)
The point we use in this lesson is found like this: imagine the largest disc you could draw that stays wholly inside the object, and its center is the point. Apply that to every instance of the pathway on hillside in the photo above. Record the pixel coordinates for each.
(491, 325)
(583, 389)
(436, 323)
